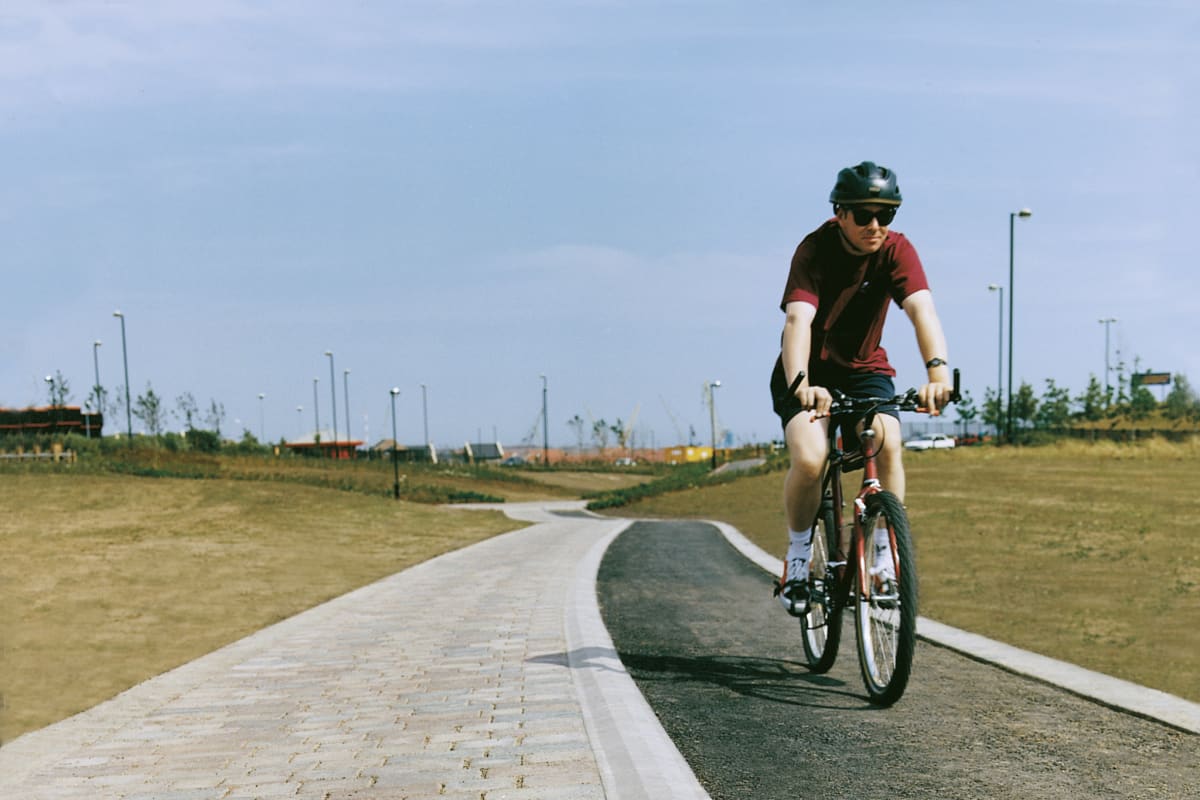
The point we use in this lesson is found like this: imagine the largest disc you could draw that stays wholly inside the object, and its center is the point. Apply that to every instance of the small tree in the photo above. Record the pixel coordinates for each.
(1024, 405)
(215, 416)
(59, 389)
(1092, 402)
(1141, 403)
(186, 410)
(966, 410)
(1181, 400)
(1054, 409)
(576, 424)
(149, 409)
(600, 431)
(993, 410)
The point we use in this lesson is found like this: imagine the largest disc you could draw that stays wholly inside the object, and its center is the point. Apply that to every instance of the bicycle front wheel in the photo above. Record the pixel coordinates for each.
(822, 624)
(886, 602)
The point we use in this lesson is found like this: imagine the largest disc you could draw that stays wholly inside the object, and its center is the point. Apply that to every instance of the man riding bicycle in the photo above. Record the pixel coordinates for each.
(843, 278)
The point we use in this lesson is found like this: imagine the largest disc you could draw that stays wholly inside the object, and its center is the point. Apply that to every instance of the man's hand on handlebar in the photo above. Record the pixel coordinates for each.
(815, 398)
(934, 396)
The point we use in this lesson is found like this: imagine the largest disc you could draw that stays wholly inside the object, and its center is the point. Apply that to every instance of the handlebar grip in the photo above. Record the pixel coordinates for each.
(954, 394)
(796, 383)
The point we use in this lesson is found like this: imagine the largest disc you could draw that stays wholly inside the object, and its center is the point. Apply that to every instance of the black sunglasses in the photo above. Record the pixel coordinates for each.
(863, 216)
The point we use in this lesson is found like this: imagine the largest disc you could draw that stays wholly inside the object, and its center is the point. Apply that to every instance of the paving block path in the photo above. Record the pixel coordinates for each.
(452, 680)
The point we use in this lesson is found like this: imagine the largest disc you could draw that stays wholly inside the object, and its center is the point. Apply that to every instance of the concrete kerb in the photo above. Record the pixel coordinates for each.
(636, 757)
(1104, 689)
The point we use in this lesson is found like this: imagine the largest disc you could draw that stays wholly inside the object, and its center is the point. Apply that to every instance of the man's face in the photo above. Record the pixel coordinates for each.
(868, 237)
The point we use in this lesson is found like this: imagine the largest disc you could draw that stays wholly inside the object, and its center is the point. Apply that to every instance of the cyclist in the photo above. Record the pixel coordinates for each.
(843, 278)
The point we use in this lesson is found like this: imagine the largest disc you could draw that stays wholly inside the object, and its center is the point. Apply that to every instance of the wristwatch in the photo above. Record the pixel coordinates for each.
(935, 362)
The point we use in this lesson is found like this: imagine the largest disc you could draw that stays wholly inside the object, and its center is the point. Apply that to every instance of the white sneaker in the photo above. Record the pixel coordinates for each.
(793, 586)
(883, 567)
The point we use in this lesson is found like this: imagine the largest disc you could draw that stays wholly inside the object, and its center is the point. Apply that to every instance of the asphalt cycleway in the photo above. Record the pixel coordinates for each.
(722, 667)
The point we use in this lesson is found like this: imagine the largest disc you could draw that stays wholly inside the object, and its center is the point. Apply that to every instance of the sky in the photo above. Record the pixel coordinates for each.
(471, 195)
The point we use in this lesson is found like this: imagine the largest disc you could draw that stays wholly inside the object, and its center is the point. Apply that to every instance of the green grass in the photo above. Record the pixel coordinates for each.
(1085, 553)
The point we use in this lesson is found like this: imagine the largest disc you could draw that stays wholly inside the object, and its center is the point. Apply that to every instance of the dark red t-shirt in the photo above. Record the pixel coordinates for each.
(851, 294)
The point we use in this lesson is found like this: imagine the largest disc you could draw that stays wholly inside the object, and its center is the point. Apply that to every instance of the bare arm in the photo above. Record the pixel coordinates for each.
(797, 347)
(932, 343)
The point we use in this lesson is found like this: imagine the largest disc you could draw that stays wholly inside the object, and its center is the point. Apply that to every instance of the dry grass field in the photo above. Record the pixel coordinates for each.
(110, 580)
(1086, 553)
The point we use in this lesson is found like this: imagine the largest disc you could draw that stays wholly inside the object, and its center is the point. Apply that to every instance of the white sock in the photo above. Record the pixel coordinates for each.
(800, 545)
(881, 538)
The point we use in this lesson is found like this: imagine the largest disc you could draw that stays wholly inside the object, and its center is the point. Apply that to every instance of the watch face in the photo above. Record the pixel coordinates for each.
(935, 362)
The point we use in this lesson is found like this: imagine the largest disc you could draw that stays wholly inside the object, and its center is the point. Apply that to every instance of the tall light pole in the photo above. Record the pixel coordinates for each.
(995, 287)
(425, 413)
(96, 390)
(1024, 213)
(395, 464)
(125, 359)
(1106, 322)
(299, 421)
(333, 394)
(545, 427)
(262, 420)
(712, 418)
(316, 417)
(346, 397)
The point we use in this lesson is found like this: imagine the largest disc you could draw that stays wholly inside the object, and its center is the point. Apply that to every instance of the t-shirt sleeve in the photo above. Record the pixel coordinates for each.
(801, 285)
(908, 274)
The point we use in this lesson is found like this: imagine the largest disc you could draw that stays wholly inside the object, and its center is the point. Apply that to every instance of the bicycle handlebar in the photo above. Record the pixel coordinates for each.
(865, 405)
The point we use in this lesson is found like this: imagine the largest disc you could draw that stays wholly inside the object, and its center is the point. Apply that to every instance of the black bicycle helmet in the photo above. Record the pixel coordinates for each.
(866, 183)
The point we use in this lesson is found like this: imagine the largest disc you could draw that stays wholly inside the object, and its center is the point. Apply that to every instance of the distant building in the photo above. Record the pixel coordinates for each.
(51, 419)
(319, 447)
(408, 453)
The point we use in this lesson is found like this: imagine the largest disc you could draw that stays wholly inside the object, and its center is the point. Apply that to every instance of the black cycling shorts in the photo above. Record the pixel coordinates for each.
(853, 384)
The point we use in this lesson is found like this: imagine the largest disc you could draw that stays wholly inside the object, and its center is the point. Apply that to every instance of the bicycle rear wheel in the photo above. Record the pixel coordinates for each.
(822, 625)
(886, 613)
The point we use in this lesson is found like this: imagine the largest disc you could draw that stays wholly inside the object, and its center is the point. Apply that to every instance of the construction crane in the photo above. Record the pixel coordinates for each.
(680, 438)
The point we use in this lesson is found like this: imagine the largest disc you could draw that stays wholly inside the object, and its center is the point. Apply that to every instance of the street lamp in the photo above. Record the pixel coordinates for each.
(712, 417)
(125, 359)
(995, 287)
(316, 418)
(395, 464)
(299, 421)
(545, 427)
(1024, 213)
(262, 420)
(96, 390)
(333, 394)
(1106, 322)
(346, 397)
(425, 414)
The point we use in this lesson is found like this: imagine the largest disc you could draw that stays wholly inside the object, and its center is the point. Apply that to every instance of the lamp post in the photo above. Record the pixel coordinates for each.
(425, 414)
(125, 359)
(545, 427)
(262, 420)
(1106, 322)
(299, 421)
(1024, 213)
(995, 287)
(333, 395)
(316, 418)
(395, 464)
(712, 418)
(346, 397)
(96, 390)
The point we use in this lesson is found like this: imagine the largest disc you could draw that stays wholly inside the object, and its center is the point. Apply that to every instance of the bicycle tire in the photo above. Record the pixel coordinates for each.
(886, 617)
(821, 626)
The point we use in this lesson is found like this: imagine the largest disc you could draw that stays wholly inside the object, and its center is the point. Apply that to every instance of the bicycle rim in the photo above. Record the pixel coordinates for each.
(822, 625)
(886, 614)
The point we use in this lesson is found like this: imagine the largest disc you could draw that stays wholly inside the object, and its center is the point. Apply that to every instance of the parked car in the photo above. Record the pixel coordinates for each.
(513, 461)
(625, 461)
(930, 441)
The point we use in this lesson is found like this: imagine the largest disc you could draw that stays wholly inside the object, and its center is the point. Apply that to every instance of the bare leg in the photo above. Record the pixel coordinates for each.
(891, 465)
(807, 447)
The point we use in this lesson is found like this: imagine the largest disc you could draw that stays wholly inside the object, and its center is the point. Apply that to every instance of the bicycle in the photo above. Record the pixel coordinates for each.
(885, 601)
